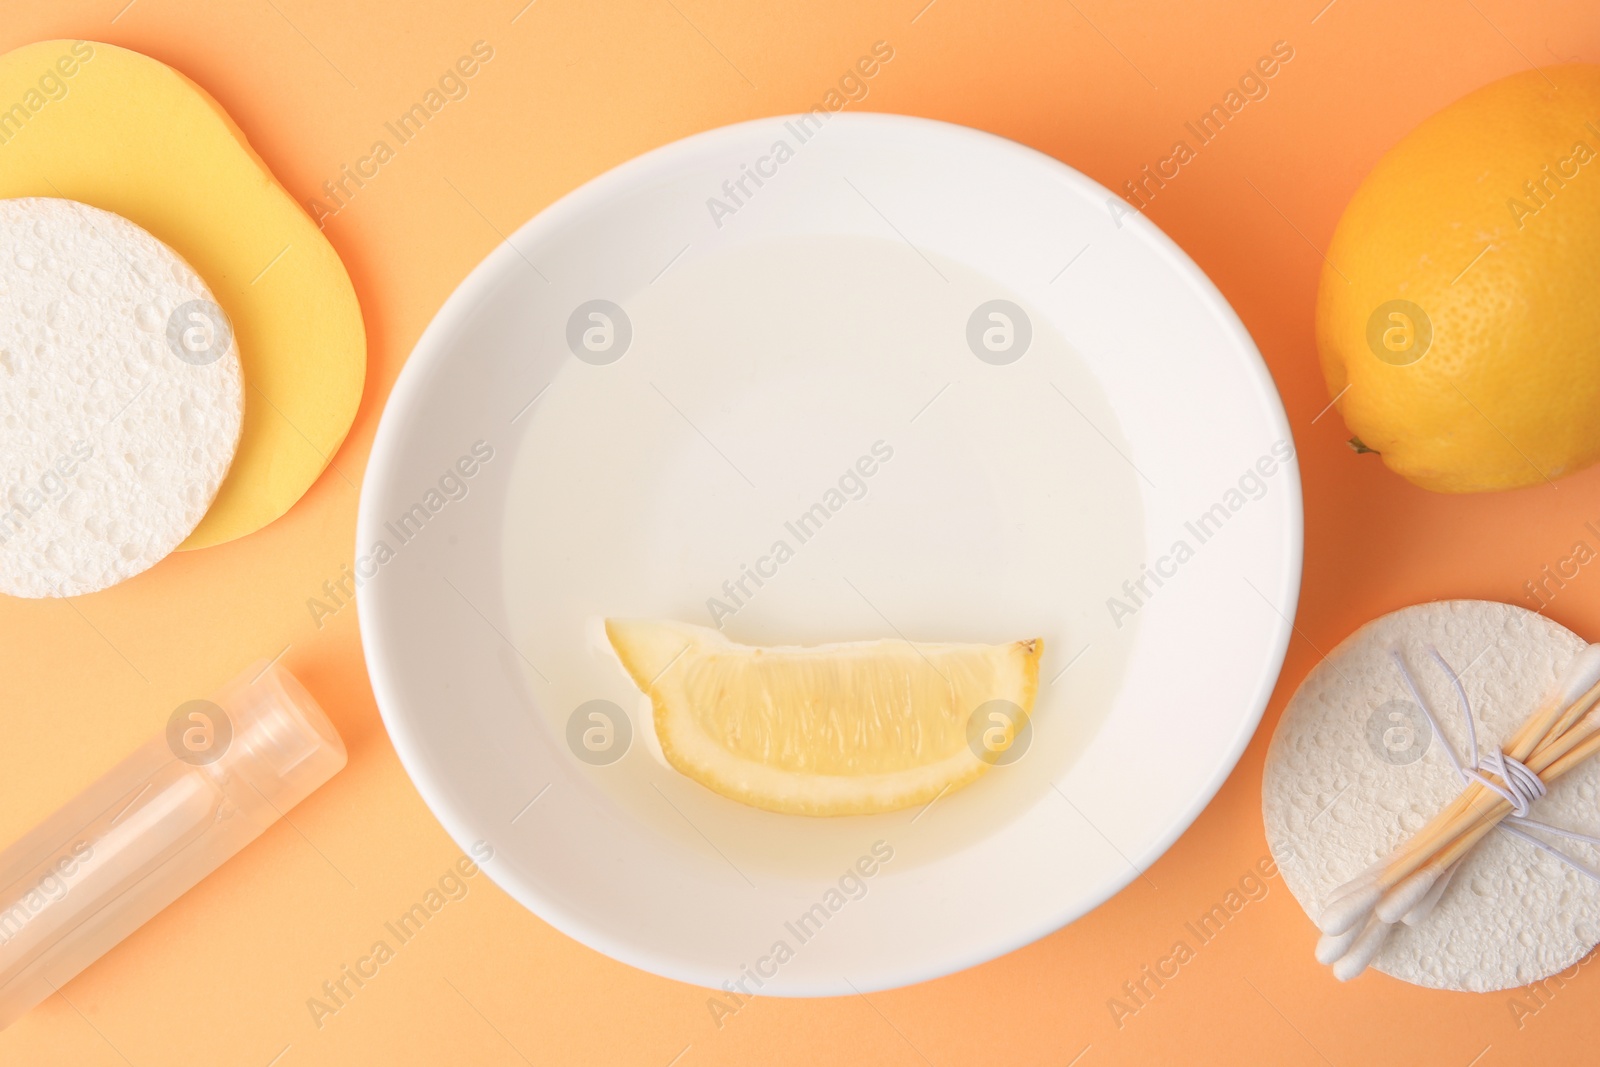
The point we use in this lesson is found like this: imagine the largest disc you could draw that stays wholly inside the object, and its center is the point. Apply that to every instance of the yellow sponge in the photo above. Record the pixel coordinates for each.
(122, 132)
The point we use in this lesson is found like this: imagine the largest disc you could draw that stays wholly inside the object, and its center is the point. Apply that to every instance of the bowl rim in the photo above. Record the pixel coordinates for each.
(407, 394)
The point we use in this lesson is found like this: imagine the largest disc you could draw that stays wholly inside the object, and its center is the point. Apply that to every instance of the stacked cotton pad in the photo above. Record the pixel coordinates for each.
(1354, 770)
(121, 398)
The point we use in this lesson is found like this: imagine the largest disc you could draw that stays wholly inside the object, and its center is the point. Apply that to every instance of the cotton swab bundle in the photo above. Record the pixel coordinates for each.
(1558, 736)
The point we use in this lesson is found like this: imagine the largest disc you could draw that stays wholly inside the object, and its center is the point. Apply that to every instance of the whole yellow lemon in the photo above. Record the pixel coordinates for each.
(1458, 317)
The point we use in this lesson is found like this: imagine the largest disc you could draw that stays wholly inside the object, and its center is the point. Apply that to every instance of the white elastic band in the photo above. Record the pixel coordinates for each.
(1517, 831)
(1522, 787)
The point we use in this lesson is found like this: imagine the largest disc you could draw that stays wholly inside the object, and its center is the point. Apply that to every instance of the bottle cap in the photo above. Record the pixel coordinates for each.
(282, 744)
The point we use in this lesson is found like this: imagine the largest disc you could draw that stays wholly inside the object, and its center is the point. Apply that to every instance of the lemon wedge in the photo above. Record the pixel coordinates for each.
(841, 729)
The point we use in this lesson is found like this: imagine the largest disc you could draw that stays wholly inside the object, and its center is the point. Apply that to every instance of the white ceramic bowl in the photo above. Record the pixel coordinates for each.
(625, 409)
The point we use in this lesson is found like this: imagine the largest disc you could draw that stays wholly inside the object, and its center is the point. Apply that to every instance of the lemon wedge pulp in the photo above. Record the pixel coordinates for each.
(841, 729)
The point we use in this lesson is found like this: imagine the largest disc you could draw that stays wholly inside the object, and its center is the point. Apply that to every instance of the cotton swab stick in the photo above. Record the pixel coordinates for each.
(1345, 912)
(1579, 708)
(1579, 734)
(1582, 678)
(1362, 951)
(1424, 907)
(1407, 894)
(1331, 947)
(1580, 752)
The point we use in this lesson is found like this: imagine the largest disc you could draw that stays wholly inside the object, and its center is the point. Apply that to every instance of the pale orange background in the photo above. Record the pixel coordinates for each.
(223, 976)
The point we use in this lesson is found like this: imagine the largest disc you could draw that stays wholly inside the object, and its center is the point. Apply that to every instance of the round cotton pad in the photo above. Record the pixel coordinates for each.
(1353, 770)
(120, 398)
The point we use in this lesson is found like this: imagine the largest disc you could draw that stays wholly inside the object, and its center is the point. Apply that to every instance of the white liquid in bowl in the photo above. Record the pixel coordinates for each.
(760, 381)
